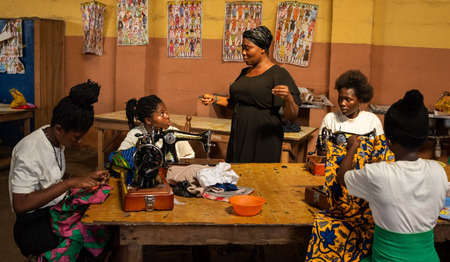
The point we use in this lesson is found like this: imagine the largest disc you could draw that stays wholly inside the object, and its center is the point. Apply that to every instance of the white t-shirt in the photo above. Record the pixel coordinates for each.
(364, 123)
(184, 149)
(34, 165)
(404, 196)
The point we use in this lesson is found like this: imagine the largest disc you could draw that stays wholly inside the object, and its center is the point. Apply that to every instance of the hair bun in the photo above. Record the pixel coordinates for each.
(412, 101)
(85, 94)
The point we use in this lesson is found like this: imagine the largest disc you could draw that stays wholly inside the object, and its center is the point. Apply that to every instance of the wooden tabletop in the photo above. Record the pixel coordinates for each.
(6, 111)
(282, 185)
(221, 125)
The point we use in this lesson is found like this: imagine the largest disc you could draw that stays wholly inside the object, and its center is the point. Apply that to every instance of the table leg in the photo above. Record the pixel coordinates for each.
(285, 149)
(26, 127)
(134, 253)
(298, 151)
(100, 153)
(302, 151)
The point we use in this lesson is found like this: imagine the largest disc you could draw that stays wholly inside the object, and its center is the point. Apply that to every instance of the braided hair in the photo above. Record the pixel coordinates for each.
(354, 79)
(75, 112)
(141, 109)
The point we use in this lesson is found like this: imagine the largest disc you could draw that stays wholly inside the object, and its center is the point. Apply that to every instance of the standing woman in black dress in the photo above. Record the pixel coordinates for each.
(256, 97)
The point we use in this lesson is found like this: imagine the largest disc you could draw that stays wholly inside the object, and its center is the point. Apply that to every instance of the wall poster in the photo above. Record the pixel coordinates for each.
(239, 16)
(92, 14)
(184, 37)
(132, 22)
(294, 32)
(11, 47)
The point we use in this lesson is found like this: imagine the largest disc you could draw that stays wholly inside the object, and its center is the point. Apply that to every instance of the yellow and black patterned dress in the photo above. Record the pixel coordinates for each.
(344, 231)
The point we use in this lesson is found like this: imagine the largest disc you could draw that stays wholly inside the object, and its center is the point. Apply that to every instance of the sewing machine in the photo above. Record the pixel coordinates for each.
(149, 189)
(316, 164)
(339, 138)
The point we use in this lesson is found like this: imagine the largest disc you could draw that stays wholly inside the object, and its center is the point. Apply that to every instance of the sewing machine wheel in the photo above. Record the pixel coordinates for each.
(147, 159)
(326, 133)
(341, 139)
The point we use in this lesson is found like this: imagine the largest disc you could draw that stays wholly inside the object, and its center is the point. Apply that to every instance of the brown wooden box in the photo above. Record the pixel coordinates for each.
(148, 199)
(315, 196)
(316, 165)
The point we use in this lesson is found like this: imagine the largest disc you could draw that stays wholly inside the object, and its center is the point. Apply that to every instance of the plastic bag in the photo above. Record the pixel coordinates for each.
(18, 98)
(443, 104)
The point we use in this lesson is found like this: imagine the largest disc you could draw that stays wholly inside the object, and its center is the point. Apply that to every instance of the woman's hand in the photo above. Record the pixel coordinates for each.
(353, 143)
(208, 99)
(290, 108)
(283, 92)
(89, 180)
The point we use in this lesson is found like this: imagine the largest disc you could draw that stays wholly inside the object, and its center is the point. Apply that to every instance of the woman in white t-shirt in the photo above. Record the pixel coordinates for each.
(405, 196)
(37, 178)
(151, 112)
(354, 89)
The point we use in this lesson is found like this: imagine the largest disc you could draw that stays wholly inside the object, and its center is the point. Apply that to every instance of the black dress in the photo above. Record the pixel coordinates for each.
(256, 130)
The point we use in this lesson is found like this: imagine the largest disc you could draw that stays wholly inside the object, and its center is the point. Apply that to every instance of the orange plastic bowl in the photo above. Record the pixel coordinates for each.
(245, 205)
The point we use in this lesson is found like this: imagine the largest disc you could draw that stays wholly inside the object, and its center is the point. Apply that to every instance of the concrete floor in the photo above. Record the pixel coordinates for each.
(84, 160)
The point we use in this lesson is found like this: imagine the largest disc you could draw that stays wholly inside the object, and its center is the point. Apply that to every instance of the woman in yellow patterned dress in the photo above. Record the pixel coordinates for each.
(344, 231)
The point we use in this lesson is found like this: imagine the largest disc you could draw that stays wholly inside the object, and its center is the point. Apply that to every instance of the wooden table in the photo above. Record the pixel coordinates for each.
(8, 114)
(284, 219)
(295, 145)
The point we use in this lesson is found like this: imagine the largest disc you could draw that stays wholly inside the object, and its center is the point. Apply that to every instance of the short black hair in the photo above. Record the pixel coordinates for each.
(354, 79)
(75, 112)
(141, 109)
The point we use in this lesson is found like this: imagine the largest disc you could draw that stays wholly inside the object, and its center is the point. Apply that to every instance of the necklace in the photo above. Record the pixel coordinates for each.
(54, 151)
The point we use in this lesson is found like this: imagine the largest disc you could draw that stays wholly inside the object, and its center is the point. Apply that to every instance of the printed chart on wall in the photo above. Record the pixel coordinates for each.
(239, 16)
(11, 47)
(132, 22)
(184, 38)
(294, 32)
(92, 14)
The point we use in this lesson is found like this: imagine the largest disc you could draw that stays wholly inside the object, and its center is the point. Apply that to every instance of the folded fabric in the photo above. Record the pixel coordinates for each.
(26, 106)
(219, 174)
(210, 193)
(179, 174)
(225, 187)
(290, 127)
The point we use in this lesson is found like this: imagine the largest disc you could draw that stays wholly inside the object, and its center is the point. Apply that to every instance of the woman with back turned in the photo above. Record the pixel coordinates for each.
(405, 196)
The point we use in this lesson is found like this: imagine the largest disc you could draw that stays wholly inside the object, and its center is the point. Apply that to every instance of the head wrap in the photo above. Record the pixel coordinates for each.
(260, 36)
(406, 122)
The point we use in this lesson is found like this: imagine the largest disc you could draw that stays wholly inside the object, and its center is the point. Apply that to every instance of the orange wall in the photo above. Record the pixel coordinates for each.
(135, 71)
(400, 45)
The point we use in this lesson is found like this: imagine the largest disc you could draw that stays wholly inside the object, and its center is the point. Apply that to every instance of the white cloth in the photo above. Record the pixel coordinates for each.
(34, 166)
(364, 123)
(404, 196)
(184, 149)
(219, 174)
